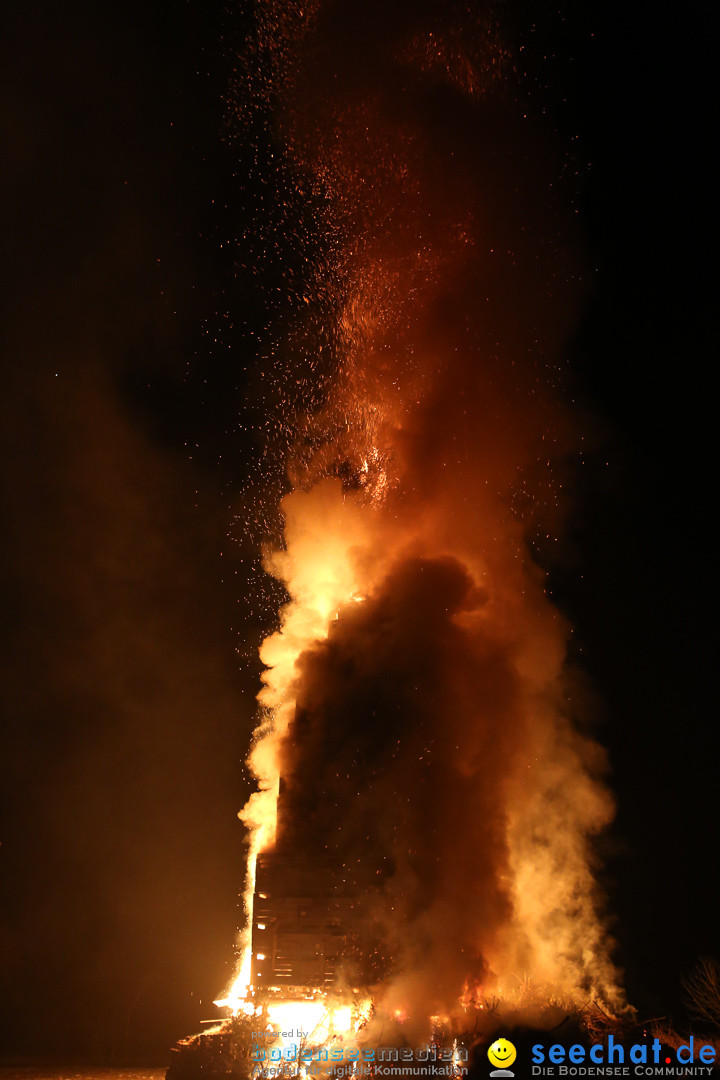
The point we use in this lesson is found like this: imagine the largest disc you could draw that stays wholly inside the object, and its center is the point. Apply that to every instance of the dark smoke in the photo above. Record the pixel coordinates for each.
(386, 751)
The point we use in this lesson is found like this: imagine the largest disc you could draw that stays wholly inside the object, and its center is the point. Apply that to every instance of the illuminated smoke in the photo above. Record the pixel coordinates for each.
(416, 703)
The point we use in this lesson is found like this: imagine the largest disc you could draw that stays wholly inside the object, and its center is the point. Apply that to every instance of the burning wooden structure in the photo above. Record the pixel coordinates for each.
(310, 933)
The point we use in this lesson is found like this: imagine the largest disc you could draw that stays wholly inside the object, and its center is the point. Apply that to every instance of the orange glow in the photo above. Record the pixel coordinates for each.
(305, 1016)
(342, 1019)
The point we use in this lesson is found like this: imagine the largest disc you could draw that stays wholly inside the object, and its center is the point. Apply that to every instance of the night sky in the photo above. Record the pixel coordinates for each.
(130, 617)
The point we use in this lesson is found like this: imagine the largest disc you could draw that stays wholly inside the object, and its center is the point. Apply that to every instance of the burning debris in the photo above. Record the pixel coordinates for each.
(326, 1046)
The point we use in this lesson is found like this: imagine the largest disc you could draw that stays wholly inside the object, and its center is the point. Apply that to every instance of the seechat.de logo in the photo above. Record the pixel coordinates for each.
(501, 1054)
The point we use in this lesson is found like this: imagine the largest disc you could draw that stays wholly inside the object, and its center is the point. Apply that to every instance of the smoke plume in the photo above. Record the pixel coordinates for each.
(416, 702)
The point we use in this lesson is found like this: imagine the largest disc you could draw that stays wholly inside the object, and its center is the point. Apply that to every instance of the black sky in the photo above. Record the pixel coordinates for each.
(126, 712)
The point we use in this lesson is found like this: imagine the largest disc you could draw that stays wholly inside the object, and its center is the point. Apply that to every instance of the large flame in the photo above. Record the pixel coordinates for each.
(423, 475)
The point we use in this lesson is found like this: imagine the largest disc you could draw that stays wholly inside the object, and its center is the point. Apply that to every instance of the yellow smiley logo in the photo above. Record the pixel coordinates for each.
(502, 1053)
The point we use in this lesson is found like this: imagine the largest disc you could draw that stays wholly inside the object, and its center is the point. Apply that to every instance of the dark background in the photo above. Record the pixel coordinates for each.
(129, 337)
